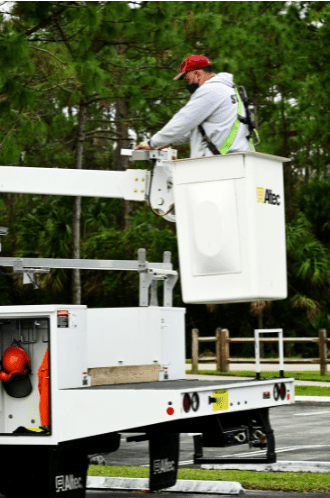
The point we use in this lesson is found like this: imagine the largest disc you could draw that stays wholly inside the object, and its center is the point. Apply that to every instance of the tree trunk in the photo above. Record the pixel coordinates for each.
(288, 171)
(76, 209)
(122, 162)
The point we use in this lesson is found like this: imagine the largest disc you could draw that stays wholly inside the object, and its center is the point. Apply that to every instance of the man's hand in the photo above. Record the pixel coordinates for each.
(143, 145)
(164, 146)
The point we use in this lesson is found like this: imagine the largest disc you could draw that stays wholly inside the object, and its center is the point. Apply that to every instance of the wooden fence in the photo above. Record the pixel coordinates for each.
(223, 340)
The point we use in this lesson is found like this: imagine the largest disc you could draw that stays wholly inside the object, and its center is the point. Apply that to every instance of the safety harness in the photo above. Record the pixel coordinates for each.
(248, 120)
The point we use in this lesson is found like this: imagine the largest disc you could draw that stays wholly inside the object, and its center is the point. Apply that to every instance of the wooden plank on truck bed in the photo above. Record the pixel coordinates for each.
(125, 374)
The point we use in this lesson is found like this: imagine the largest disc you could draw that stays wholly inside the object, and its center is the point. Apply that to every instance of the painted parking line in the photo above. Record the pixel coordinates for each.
(262, 452)
(310, 413)
(283, 466)
(282, 450)
(183, 462)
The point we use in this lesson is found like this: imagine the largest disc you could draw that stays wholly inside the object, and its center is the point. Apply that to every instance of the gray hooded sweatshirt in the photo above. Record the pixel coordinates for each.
(214, 105)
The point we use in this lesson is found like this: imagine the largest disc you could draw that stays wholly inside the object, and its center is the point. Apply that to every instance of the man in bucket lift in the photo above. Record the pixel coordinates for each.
(214, 120)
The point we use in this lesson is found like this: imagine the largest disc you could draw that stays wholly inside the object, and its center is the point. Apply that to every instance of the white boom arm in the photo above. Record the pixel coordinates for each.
(129, 185)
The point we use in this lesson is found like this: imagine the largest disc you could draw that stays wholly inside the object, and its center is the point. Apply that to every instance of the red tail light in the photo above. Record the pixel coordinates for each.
(186, 402)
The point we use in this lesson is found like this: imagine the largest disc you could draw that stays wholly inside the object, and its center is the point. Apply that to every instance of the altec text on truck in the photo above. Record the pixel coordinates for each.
(266, 196)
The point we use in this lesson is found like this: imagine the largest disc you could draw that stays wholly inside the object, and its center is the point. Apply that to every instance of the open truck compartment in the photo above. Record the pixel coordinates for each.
(21, 407)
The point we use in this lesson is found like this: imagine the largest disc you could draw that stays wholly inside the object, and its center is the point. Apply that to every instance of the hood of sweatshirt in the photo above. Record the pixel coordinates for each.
(224, 78)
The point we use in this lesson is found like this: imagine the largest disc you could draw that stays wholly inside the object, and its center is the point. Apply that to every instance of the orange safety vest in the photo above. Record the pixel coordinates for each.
(43, 386)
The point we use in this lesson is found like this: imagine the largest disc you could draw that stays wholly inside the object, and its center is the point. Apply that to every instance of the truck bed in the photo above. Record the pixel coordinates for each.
(126, 407)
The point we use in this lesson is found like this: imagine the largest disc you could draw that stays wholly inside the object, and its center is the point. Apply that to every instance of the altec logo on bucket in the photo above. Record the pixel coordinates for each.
(267, 196)
(68, 482)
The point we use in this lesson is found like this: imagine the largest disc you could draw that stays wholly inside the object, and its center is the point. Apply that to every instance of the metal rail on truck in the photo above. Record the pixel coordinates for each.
(150, 273)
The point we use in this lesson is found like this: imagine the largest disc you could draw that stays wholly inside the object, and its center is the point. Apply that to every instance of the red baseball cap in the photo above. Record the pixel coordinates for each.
(192, 63)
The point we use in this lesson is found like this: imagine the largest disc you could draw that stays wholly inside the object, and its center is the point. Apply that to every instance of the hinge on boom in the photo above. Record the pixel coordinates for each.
(159, 185)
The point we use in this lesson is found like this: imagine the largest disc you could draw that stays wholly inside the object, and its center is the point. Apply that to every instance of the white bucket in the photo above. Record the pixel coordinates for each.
(231, 227)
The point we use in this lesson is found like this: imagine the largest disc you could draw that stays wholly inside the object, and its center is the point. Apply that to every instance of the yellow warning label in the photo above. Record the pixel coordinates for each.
(260, 194)
(221, 396)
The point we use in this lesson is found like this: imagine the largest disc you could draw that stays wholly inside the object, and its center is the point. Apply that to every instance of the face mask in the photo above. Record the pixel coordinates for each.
(192, 87)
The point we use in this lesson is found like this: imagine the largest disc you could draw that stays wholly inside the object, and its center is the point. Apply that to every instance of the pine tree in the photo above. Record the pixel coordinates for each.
(82, 80)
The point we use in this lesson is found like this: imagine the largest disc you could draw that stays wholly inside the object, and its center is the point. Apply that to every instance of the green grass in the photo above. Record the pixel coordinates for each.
(284, 481)
(311, 391)
(306, 375)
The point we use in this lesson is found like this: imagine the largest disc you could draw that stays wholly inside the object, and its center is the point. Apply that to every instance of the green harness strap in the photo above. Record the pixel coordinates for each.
(229, 140)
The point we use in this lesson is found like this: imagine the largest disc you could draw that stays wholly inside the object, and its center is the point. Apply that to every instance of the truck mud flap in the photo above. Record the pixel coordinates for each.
(164, 458)
(51, 471)
(68, 472)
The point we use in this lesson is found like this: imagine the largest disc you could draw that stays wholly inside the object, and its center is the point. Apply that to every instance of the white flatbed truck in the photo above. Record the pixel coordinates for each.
(122, 370)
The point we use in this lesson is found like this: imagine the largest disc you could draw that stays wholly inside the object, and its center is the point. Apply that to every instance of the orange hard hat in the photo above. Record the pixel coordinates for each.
(16, 366)
(16, 360)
